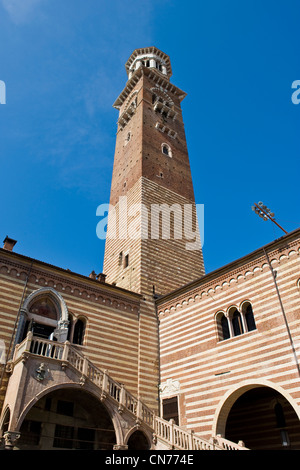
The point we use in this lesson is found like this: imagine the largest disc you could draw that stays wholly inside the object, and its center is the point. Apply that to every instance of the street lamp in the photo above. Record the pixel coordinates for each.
(265, 213)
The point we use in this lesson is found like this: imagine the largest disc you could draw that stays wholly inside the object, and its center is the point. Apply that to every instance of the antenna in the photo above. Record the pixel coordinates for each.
(265, 213)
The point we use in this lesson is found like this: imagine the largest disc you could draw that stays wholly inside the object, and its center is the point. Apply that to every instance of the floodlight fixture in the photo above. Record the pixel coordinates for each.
(265, 213)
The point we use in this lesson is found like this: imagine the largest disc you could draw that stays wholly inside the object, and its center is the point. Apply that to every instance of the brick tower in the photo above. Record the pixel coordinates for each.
(153, 240)
(152, 244)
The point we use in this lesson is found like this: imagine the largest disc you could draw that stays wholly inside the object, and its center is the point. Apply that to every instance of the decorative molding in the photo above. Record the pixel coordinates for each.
(65, 286)
(165, 129)
(128, 112)
(169, 388)
(232, 277)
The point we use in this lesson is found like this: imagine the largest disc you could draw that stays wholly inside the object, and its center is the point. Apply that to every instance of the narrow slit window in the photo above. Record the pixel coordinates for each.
(126, 261)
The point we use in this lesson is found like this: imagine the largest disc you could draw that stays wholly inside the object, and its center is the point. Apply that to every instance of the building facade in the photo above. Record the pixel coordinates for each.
(154, 353)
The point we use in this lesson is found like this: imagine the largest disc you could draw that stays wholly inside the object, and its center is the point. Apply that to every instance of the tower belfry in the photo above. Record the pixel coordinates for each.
(153, 240)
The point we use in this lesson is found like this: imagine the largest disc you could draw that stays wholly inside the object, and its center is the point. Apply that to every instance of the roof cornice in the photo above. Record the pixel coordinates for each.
(154, 75)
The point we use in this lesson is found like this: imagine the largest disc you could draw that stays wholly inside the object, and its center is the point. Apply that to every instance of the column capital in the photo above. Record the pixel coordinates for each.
(120, 447)
(10, 439)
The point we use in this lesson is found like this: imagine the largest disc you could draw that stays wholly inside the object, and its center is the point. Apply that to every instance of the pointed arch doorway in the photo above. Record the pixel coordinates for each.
(261, 417)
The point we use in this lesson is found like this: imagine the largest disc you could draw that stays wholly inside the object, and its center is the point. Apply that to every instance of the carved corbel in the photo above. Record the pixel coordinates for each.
(120, 409)
(138, 423)
(9, 367)
(10, 439)
(41, 372)
(120, 447)
(82, 380)
(25, 356)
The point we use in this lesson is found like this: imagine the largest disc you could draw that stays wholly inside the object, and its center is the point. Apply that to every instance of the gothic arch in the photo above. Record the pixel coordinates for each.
(5, 421)
(55, 297)
(160, 92)
(51, 316)
(136, 430)
(132, 99)
(225, 405)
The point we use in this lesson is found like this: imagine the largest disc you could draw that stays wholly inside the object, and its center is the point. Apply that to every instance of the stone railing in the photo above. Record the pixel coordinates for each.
(228, 445)
(68, 355)
(166, 431)
(178, 438)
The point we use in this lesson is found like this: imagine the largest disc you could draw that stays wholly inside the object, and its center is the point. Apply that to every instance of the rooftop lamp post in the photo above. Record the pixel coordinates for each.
(265, 213)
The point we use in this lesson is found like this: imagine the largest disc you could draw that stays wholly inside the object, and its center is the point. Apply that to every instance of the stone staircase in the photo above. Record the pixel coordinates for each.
(166, 434)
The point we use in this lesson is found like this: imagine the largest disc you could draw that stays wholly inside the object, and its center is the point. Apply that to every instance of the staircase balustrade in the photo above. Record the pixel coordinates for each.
(167, 432)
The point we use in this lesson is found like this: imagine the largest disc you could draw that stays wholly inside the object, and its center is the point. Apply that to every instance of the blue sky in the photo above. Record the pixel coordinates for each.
(63, 66)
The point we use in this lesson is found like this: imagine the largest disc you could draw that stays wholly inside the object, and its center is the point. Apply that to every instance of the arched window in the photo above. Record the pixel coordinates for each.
(44, 307)
(166, 150)
(249, 317)
(236, 322)
(71, 327)
(45, 314)
(225, 327)
(79, 330)
(222, 326)
(237, 325)
(42, 318)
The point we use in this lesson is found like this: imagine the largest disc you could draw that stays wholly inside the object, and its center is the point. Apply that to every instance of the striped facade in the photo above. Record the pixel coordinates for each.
(111, 314)
(154, 353)
(213, 372)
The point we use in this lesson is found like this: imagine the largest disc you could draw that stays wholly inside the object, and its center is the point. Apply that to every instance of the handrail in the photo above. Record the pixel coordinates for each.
(179, 438)
(225, 444)
(67, 354)
(166, 431)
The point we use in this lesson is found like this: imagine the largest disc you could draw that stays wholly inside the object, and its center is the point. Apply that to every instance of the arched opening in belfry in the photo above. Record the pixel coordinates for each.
(264, 420)
(138, 441)
(67, 418)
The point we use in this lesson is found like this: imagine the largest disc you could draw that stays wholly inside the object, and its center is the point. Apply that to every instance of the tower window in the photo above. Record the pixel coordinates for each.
(126, 261)
(128, 137)
(166, 150)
